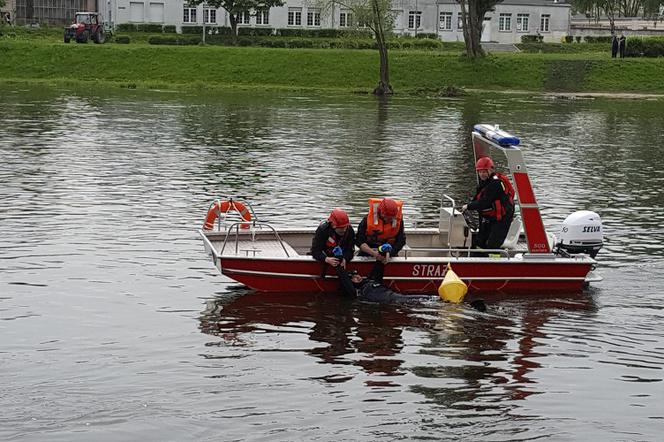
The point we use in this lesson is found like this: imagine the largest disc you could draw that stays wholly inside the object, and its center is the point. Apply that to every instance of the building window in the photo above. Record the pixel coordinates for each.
(522, 22)
(294, 16)
(210, 16)
(544, 22)
(414, 19)
(505, 22)
(189, 15)
(445, 21)
(263, 17)
(313, 17)
(345, 19)
(243, 17)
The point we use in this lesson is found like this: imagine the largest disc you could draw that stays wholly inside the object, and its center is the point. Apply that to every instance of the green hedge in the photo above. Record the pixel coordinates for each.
(300, 42)
(531, 38)
(431, 35)
(174, 41)
(599, 39)
(192, 30)
(122, 39)
(562, 48)
(323, 33)
(145, 27)
(644, 47)
(251, 31)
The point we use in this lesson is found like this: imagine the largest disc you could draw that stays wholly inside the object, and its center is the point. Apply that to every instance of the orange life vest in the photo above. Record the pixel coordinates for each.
(498, 210)
(379, 232)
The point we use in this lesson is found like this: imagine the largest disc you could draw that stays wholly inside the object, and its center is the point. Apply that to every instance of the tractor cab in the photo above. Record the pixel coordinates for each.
(86, 26)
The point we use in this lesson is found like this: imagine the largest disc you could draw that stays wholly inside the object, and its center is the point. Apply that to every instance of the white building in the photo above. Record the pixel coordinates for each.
(510, 20)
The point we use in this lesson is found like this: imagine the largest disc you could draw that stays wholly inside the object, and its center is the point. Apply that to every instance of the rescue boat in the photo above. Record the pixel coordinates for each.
(531, 260)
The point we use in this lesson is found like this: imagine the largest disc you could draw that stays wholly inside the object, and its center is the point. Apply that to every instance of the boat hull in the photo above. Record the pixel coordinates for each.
(412, 276)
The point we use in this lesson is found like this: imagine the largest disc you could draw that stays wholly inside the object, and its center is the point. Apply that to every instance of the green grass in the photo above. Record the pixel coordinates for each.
(210, 67)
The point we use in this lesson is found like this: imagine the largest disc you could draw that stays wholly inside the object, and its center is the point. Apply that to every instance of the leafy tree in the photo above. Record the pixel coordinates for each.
(2, 3)
(375, 15)
(472, 15)
(651, 7)
(237, 7)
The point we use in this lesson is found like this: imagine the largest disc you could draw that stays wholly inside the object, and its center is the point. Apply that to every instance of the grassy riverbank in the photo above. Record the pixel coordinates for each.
(202, 67)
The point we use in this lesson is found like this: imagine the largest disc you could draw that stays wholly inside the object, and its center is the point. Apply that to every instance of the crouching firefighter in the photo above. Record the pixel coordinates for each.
(381, 233)
(334, 241)
(494, 200)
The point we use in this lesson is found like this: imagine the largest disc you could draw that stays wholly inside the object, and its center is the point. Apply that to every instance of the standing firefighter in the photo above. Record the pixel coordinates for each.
(494, 200)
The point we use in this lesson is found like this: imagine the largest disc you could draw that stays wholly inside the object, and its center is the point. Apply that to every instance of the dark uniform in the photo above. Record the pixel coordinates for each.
(496, 213)
(371, 289)
(326, 239)
(374, 243)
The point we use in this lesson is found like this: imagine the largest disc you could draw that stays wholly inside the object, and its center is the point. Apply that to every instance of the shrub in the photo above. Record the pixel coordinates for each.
(427, 44)
(149, 27)
(192, 30)
(531, 38)
(644, 47)
(174, 41)
(569, 39)
(578, 38)
(122, 39)
(432, 35)
(126, 27)
(598, 39)
(169, 29)
(253, 31)
(394, 44)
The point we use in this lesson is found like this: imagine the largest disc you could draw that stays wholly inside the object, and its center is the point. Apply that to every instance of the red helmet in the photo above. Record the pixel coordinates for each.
(388, 208)
(484, 163)
(339, 219)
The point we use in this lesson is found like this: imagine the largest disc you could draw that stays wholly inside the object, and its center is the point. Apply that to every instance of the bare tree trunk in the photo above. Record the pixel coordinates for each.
(233, 19)
(472, 29)
(465, 19)
(384, 87)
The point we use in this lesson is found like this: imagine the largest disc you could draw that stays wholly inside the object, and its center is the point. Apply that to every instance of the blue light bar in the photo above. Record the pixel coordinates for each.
(496, 135)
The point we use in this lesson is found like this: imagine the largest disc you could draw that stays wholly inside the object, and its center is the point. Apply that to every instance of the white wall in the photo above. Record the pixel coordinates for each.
(559, 24)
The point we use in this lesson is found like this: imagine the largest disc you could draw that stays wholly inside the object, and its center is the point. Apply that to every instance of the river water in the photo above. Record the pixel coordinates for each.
(115, 326)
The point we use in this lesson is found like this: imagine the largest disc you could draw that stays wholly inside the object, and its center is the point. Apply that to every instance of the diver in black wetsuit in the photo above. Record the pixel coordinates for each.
(371, 289)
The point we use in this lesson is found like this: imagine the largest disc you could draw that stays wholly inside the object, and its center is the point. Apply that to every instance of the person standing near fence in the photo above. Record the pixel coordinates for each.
(621, 46)
(614, 46)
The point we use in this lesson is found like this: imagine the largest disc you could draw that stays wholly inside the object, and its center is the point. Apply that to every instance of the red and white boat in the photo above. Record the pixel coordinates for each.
(270, 259)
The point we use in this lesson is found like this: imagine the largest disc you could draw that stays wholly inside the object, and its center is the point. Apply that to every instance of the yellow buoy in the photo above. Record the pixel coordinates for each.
(452, 289)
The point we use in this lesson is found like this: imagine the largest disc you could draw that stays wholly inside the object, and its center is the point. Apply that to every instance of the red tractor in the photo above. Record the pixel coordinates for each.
(87, 26)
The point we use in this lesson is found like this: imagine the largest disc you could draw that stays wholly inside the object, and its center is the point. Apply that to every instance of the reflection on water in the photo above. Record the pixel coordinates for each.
(102, 275)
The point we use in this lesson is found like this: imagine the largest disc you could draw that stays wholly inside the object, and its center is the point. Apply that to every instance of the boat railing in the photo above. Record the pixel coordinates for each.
(457, 252)
(254, 224)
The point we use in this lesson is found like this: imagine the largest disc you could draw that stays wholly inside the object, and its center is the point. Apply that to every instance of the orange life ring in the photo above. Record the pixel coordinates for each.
(219, 207)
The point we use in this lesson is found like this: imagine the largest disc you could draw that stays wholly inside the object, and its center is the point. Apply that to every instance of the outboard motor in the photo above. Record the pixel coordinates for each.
(581, 232)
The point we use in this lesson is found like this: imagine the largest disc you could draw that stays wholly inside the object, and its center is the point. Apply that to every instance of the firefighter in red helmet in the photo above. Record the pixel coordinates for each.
(494, 200)
(381, 229)
(334, 240)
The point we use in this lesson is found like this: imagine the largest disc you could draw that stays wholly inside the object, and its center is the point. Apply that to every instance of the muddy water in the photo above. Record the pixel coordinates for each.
(115, 326)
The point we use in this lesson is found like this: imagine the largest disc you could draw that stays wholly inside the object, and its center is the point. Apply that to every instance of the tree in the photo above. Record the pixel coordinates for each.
(237, 7)
(472, 16)
(375, 15)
